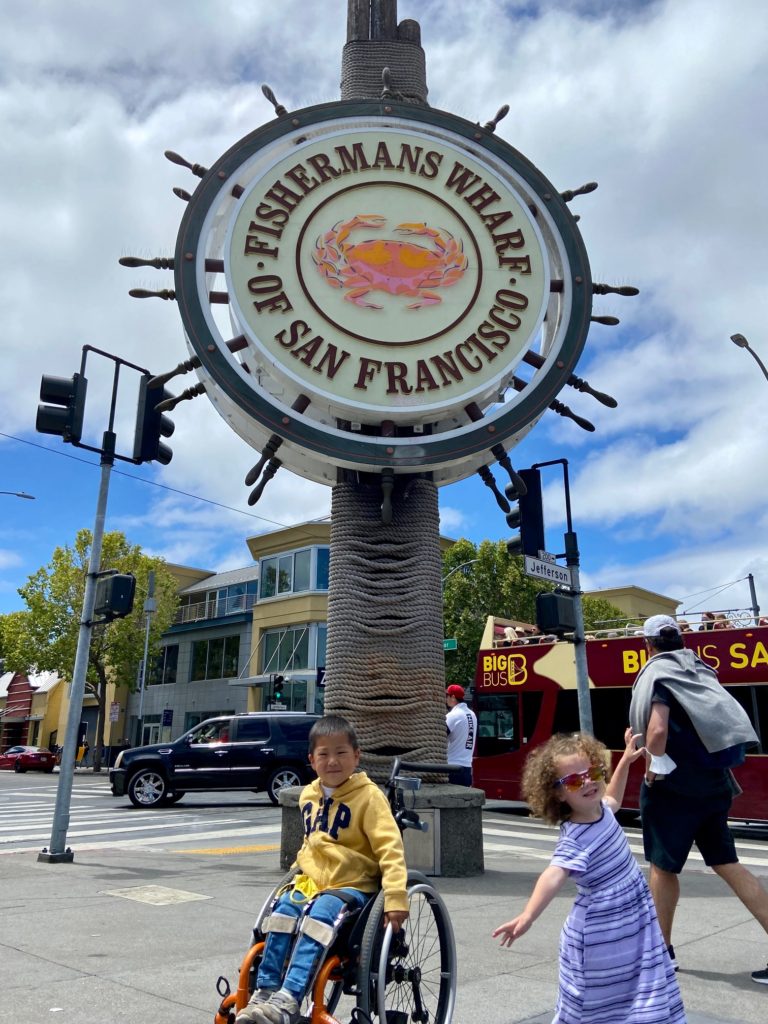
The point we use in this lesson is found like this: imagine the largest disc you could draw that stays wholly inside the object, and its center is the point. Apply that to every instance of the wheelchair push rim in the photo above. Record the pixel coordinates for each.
(410, 976)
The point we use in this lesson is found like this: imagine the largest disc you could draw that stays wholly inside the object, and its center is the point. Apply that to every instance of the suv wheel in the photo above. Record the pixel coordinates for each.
(147, 788)
(281, 778)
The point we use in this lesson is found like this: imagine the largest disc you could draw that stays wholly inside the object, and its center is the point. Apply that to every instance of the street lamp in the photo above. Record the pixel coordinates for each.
(463, 569)
(740, 341)
(19, 494)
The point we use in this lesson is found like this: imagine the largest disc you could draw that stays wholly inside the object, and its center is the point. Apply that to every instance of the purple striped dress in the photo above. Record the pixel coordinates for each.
(614, 966)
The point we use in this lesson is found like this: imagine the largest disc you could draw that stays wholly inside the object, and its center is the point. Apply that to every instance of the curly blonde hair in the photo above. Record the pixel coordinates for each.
(541, 773)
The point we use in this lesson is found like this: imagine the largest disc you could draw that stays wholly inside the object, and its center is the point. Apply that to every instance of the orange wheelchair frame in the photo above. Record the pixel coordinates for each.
(396, 978)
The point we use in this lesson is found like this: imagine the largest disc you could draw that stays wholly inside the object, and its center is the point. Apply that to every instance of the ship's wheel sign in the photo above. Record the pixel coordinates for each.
(388, 270)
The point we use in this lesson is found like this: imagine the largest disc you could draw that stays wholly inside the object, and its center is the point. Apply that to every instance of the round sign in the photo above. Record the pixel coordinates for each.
(401, 290)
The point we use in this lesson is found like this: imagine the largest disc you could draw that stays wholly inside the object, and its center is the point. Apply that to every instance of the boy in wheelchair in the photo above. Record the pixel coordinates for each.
(352, 846)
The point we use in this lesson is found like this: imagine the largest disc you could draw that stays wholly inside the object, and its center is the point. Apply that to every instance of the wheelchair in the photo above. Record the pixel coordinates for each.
(391, 977)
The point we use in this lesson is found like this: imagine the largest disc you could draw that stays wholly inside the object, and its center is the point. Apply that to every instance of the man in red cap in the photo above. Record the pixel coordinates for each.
(461, 725)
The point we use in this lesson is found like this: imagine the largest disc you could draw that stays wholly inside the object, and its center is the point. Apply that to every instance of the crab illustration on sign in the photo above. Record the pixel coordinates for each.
(388, 265)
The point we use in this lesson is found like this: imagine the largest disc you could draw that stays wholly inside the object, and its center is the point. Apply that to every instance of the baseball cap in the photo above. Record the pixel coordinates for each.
(455, 691)
(652, 627)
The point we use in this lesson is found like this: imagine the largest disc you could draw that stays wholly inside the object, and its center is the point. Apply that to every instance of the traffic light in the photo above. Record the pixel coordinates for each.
(152, 425)
(65, 406)
(278, 690)
(555, 613)
(114, 596)
(527, 517)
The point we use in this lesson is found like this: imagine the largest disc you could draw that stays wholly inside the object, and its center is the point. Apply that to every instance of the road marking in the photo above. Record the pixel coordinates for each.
(227, 850)
(156, 895)
(167, 840)
(77, 832)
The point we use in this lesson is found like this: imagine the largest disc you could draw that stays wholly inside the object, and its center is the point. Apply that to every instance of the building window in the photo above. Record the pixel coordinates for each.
(294, 573)
(215, 659)
(164, 669)
(322, 635)
(286, 650)
(323, 557)
(214, 604)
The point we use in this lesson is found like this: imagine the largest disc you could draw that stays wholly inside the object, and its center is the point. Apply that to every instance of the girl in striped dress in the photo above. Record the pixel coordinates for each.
(614, 964)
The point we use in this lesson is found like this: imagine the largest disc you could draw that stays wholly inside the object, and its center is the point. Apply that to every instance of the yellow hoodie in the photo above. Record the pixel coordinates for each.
(351, 840)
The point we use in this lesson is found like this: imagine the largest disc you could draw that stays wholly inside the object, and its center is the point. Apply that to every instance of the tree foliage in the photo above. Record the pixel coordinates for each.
(44, 637)
(493, 584)
(601, 614)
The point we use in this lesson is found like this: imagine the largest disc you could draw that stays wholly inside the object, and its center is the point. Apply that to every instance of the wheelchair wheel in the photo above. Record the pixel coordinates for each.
(411, 975)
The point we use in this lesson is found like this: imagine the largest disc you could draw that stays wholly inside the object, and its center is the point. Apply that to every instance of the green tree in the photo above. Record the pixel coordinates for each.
(484, 580)
(494, 584)
(12, 626)
(44, 637)
(601, 614)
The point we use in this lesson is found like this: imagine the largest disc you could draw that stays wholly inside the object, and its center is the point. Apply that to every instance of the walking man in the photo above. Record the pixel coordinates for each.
(694, 733)
(461, 726)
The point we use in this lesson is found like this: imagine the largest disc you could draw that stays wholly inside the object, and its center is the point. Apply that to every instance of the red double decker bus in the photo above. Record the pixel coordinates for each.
(525, 691)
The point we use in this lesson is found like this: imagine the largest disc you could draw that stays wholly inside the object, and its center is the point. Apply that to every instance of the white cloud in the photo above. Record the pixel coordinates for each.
(668, 120)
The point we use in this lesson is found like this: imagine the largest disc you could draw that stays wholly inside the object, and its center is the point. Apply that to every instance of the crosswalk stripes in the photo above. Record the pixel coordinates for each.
(530, 838)
(98, 822)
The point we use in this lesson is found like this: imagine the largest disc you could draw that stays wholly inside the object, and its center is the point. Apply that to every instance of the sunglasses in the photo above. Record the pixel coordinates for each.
(576, 780)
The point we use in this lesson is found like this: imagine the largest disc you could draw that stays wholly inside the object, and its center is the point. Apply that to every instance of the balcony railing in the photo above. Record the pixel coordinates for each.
(214, 609)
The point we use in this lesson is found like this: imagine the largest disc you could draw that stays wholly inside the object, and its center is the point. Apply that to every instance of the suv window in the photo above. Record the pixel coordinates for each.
(296, 729)
(219, 731)
(252, 729)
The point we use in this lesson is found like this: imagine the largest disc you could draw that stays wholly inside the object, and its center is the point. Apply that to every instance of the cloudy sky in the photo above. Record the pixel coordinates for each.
(661, 102)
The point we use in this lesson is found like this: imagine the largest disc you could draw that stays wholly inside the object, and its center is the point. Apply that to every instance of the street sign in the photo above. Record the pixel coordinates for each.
(450, 644)
(542, 570)
(114, 711)
(167, 716)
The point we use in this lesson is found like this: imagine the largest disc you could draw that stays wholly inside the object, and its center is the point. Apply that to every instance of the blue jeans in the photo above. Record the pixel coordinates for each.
(306, 951)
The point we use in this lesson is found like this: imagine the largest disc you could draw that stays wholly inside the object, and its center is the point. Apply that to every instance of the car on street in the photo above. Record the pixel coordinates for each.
(259, 751)
(28, 759)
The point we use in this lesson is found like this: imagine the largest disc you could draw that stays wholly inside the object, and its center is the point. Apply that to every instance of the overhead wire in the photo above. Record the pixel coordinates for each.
(154, 483)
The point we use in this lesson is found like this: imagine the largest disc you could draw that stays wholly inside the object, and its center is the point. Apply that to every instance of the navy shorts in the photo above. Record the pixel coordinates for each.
(672, 823)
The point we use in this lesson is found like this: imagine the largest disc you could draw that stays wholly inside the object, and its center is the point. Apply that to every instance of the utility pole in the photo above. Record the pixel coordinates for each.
(579, 641)
(63, 415)
(150, 607)
(58, 852)
(753, 596)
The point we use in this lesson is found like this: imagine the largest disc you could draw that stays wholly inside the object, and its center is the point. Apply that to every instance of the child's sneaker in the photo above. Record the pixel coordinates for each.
(761, 977)
(282, 1008)
(251, 1013)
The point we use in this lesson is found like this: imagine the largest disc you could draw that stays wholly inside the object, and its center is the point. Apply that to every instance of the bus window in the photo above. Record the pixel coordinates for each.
(498, 725)
(531, 710)
(754, 700)
(610, 714)
(566, 712)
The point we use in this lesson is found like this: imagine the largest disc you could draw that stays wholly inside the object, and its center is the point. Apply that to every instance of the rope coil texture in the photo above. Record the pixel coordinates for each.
(385, 664)
(363, 60)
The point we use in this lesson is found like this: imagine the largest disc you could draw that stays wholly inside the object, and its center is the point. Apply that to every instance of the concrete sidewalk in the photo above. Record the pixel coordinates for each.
(90, 942)
(79, 946)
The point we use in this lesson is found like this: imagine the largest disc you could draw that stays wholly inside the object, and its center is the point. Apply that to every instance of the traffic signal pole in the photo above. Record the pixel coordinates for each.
(58, 851)
(571, 555)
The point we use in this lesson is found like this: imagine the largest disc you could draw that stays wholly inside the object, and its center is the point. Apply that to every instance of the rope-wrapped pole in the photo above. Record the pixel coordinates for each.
(385, 665)
(385, 647)
(375, 41)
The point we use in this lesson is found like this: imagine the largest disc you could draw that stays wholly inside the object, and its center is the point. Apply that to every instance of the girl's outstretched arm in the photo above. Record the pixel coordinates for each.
(614, 792)
(550, 882)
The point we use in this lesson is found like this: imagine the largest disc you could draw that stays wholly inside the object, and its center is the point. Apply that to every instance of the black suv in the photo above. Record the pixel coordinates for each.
(259, 751)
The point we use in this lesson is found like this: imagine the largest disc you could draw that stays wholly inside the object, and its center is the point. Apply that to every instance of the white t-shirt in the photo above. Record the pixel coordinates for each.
(461, 723)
